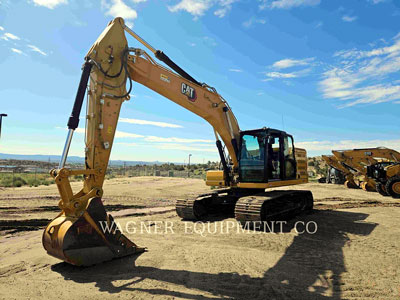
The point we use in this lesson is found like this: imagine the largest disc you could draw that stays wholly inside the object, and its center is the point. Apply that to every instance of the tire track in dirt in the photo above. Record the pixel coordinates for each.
(14, 226)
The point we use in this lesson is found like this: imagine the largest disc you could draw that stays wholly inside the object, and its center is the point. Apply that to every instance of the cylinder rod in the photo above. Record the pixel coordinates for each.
(147, 45)
(66, 149)
(163, 57)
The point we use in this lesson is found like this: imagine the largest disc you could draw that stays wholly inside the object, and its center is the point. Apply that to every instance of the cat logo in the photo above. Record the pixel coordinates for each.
(189, 92)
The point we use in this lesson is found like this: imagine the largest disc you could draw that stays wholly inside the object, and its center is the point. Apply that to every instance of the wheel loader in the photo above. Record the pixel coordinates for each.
(348, 173)
(360, 159)
(255, 160)
(387, 175)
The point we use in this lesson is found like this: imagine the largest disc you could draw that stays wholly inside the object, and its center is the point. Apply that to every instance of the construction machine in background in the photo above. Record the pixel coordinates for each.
(360, 159)
(353, 159)
(387, 174)
(256, 160)
(338, 173)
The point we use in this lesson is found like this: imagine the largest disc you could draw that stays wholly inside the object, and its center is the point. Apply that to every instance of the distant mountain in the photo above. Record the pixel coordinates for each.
(74, 159)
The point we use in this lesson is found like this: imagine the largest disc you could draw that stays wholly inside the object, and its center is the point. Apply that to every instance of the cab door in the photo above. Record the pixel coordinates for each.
(252, 158)
(281, 162)
(288, 157)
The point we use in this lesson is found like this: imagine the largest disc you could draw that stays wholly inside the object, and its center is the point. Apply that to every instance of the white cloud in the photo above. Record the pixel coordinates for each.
(225, 7)
(51, 4)
(36, 49)
(16, 51)
(287, 4)
(362, 76)
(392, 50)
(122, 134)
(195, 7)
(118, 134)
(191, 44)
(152, 123)
(250, 22)
(77, 130)
(152, 139)
(221, 12)
(280, 75)
(186, 148)
(377, 1)
(9, 36)
(235, 70)
(175, 140)
(1, 28)
(348, 144)
(288, 63)
(347, 18)
(209, 41)
(118, 8)
(127, 144)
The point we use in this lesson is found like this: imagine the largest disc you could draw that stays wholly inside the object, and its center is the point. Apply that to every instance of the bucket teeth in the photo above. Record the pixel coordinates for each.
(90, 239)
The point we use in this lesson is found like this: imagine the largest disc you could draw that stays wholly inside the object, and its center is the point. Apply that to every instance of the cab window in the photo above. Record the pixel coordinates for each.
(252, 157)
(289, 159)
(274, 161)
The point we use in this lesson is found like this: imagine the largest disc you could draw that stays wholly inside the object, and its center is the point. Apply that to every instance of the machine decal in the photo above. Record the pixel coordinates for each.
(189, 92)
(164, 78)
(109, 129)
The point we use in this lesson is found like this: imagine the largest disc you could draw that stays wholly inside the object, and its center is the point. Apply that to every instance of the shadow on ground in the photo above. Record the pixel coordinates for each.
(311, 268)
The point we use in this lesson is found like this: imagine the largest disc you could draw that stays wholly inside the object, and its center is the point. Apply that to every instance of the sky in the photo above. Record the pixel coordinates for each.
(324, 71)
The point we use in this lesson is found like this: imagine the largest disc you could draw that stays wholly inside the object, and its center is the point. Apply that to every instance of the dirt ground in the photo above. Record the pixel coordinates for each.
(354, 254)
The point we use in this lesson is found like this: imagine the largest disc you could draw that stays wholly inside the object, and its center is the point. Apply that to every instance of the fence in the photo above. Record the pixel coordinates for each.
(162, 173)
(16, 176)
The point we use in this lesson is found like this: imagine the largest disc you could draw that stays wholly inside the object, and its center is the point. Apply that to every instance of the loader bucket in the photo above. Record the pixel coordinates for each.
(368, 186)
(351, 184)
(87, 240)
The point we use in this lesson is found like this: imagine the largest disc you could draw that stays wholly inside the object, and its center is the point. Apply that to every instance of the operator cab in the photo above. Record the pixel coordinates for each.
(266, 155)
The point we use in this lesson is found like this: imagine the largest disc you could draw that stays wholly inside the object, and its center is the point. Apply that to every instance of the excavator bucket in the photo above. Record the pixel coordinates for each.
(89, 239)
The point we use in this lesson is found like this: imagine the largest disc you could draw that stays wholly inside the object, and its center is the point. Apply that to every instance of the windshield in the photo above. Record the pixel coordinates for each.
(252, 157)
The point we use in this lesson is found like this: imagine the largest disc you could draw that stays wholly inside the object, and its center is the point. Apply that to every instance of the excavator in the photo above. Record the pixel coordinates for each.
(257, 159)
(347, 172)
(360, 159)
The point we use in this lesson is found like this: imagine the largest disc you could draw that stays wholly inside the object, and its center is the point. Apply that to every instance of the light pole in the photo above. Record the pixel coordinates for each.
(189, 165)
(1, 118)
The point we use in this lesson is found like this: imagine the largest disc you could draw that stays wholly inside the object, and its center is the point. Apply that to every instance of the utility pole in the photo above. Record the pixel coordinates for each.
(189, 165)
(1, 118)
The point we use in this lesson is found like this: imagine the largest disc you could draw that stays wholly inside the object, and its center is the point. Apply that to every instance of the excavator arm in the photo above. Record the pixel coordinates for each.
(109, 66)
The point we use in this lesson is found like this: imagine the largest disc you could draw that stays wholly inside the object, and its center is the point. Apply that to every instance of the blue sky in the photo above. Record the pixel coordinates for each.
(325, 71)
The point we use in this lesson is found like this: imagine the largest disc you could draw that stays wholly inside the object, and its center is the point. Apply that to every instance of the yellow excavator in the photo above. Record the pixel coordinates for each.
(347, 172)
(360, 159)
(256, 160)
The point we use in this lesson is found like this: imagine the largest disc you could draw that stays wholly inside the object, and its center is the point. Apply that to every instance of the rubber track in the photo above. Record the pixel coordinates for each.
(270, 205)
